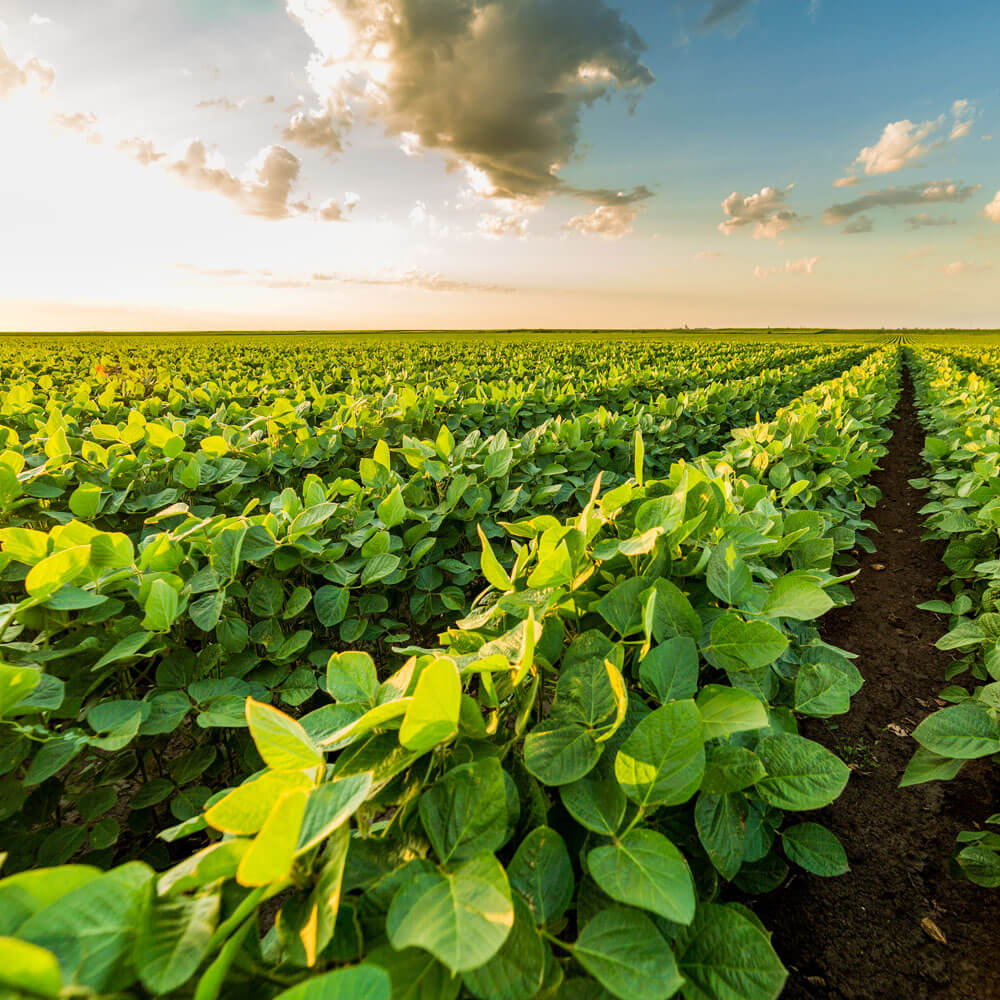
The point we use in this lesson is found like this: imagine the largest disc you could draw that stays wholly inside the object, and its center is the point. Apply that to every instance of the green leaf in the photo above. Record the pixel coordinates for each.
(518, 968)
(161, 607)
(730, 769)
(669, 671)
(85, 500)
(16, 683)
(645, 869)
(490, 565)
(330, 805)
(29, 968)
(464, 813)
(415, 974)
(721, 824)
(725, 955)
(266, 597)
(663, 760)
(798, 598)
(351, 677)
(740, 645)
(558, 752)
(91, 930)
(379, 567)
(392, 510)
(55, 570)
(461, 917)
(206, 611)
(173, 939)
(640, 455)
(245, 809)
(271, 855)
(815, 848)
(801, 774)
(595, 803)
(927, 766)
(123, 650)
(726, 710)
(432, 716)
(980, 865)
(965, 731)
(627, 955)
(727, 575)
(821, 690)
(672, 613)
(621, 607)
(281, 741)
(331, 604)
(362, 982)
(541, 871)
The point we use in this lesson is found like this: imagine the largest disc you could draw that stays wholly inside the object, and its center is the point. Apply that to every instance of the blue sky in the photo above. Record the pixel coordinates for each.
(494, 163)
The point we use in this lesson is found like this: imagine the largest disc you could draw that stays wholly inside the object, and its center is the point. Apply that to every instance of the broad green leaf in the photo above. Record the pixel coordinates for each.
(432, 715)
(730, 769)
(27, 892)
(815, 848)
(740, 645)
(16, 683)
(392, 510)
(821, 690)
(379, 567)
(801, 774)
(595, 803)
(721, 824)
(161, 607)
(245, 809)
(462, 917)
(280, 739)
(798, 598)
(271, 855)
(173, 939)
(85, 500)
(672, 613)
(415, 974)
(927, 766)
(558, 752)
(331, 604)
(726, 710)
(91, 930)
(518, 968)
(669, 671)
(645, 869)
(627, 955)
(57, 569)
(663, 760)
(725, 955)
(351, 677)
(362, 982)
(490, 565)
(330, 805)
(541, 871)
(965, 731)
(123, 650)
(727, 575)
(621, 607)
(217, 861)
(980, 865)
(25, 966)
(464, 813)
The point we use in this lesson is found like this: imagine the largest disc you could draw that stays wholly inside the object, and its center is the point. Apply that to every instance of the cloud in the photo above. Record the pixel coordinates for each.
(923, 220)
(14, 76)
(805, 265)
(497, 87)
(315, 130)
(905, 144)
(862, 224)
(224, 103)
(263, 190)
(332, 211)
(704, 254)
(960, 267)
(143, 151)
(919, 253)
(814, 9)
(267, 99)
(843, 182)
(39, 19)
(730, 14)
(611, 222)
(912, 194)
(765, 211)
(83, 122)
(495, 226)
(992, 210)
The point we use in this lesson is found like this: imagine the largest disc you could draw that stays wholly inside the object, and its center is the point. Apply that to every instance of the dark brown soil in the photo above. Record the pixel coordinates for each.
(860, 937)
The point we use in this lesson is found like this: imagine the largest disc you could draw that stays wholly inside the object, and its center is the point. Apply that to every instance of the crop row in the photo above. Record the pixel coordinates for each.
(545, 802)
(961, 411)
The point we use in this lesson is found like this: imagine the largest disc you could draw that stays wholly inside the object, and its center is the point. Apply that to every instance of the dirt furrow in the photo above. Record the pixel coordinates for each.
(865, 936)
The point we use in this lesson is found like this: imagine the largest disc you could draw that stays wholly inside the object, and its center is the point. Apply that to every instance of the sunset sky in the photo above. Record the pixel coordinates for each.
(498, 163)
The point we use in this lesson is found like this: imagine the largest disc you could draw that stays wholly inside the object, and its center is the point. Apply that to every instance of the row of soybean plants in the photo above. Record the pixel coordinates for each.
(961, 412)
(147, 630)
(549, 801)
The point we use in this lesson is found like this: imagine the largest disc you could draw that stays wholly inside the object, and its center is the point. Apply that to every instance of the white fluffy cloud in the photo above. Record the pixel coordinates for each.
(924, 220)
(960, 267)
(765, 211)
(315, 130)
(992, 210)
(14, 76)
(333, 211)
(805, 265)
(495, 226)
(611, 222)
(498, 87)
(862, 224)
(143, 151)
(905, 143)
(83, 122)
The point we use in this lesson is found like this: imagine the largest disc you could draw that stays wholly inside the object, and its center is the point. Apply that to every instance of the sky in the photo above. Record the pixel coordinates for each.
(474, 164)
